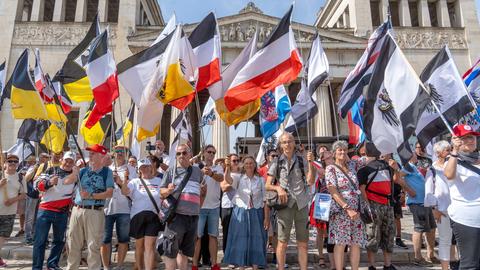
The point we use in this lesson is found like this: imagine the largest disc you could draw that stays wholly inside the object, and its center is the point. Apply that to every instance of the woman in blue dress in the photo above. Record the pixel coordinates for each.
(246, 245)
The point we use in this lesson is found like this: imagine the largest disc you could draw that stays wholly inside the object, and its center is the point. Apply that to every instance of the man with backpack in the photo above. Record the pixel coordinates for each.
(87, 219)
(376, 184)
(294, 174)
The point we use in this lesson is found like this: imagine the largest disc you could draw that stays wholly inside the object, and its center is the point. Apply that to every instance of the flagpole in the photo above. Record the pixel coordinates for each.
(335, 122)
(245, 137)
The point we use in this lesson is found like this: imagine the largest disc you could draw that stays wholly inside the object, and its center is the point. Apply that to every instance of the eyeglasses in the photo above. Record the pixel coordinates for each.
(184, 153)
(287, 142)
(12, 161)
(211, 152)
(273, 156)
(235, 160)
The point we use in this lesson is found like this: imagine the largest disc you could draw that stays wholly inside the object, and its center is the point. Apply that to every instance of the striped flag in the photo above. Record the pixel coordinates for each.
(360, 76)
(394, 103)
(3, 77)
(273, 111)
(355, 123)
(25, 99)
(40, 81)
(123, 133)
(181, 125)
(102, 73)
(207, 53)
(277, 62)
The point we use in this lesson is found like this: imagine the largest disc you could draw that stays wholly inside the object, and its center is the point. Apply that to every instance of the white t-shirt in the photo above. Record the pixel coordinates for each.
(166, 161)
(228, 196)
(138, 194)
(249, 191)
(465, 197)
(119, 204)
(212, 199)
(10, 190)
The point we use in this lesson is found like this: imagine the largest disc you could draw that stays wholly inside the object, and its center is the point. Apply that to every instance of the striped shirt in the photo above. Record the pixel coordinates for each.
(189, 198)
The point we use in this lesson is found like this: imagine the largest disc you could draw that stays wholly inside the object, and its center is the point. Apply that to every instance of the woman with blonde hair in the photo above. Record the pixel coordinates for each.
(250, 218)
(345, 225)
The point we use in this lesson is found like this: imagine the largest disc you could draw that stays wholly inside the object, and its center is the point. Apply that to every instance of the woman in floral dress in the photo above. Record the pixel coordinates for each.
(345, 225)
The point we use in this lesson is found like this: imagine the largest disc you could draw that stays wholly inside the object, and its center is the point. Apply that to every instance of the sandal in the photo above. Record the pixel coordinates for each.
(322, 263)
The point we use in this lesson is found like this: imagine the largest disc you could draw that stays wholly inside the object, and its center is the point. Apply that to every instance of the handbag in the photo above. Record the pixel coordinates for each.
(169, 204)
(166, 243)
(367, 215)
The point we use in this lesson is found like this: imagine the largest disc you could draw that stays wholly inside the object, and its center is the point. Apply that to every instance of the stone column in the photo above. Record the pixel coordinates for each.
(38, 9)
(346, 20)
(442, 14)
(221, 137)
(24, 17)
(59, 11)
(323, 120)
(404, 12)
(360, 17)
(81, 11)
(466, 14)
(423, 14)
(103, 10)
(383, 8)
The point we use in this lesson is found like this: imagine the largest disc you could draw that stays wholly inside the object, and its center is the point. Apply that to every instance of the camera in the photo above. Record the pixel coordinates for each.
(149, 147)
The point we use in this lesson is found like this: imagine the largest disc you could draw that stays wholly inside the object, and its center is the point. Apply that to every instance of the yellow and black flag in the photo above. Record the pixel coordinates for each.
(25, 99)
(73, 75)
(100, 132)
(123, 133)
(50, 134)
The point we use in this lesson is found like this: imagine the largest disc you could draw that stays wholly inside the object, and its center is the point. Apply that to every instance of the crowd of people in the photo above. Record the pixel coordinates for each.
(72, 205)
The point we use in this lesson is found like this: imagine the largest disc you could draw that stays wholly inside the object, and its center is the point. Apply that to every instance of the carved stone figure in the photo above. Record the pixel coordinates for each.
(261, 34)
(231, 34)
(240, 35)
(224, 34)
(250, 31)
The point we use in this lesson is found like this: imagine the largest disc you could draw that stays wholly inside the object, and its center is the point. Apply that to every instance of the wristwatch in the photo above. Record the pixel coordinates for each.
(346, 206)
(90, 196)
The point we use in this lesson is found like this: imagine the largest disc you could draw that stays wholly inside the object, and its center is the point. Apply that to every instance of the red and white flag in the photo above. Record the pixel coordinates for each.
(205, 42)
(45, 91)
(102, 73)
(277, 62)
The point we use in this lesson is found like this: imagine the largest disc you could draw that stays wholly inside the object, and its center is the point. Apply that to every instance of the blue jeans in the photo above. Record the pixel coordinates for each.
(122, 222)
(45, 219)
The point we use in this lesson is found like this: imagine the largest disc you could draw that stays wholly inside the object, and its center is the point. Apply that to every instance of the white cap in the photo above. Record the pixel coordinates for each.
(144, 161)
(71, 155)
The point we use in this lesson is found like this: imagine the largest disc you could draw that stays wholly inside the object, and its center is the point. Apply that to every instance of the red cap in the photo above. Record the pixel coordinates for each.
(97, 148)
(464, 130)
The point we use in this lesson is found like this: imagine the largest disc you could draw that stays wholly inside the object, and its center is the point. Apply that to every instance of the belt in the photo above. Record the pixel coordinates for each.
(91, 207)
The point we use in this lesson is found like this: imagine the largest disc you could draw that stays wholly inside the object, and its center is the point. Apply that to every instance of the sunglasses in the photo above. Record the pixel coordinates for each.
(184, 153)
(235, 160)
(273, 156)
(211, 152)
(12, 161)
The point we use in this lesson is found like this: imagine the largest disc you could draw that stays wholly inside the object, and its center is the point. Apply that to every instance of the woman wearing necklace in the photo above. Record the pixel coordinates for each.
(250, 218)
(345, 225)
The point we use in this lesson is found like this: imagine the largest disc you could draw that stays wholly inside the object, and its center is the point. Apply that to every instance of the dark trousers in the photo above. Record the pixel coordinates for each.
(225, 215)
(468, 243)
(204, 251)
(58, 222)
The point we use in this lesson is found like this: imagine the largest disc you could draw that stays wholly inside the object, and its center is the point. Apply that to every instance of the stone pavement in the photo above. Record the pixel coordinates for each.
(19, 255)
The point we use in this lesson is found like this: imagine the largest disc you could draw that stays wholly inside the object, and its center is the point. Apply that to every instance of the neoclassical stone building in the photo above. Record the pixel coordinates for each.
(421, 27)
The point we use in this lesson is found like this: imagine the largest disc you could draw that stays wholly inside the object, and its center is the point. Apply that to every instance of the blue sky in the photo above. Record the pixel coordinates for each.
(189, 11)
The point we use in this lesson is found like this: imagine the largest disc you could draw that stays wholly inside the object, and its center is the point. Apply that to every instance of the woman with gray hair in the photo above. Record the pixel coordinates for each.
(437, 196)
(345, 225)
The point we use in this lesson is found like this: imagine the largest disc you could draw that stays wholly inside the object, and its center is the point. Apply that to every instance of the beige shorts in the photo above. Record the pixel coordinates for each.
(21, 206)
(285, 219)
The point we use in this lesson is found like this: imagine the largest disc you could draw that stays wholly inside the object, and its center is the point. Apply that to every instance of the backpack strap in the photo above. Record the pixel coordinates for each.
(469, 166)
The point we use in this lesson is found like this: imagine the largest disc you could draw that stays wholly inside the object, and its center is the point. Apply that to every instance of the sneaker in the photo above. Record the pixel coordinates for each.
(3, 263)
(390, 267)
(372, 267)
(454, 265)
(215, 267)
(434, 260)
(29, 242)
(54, 268)
(399, 243)
(194, 267)
(19, 233)
(422, 262)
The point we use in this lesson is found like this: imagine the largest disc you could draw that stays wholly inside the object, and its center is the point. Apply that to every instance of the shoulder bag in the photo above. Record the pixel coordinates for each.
(366, 213)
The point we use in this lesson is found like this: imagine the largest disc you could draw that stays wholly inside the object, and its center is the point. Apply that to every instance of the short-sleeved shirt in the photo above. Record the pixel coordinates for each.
(291, 178)
(381, 184)
(14, 187)
(119, 204)
(212, 199)
(249, 191)
(465, 196)
(140, 198)
(416, 181)
(94, 182)
(189, 198)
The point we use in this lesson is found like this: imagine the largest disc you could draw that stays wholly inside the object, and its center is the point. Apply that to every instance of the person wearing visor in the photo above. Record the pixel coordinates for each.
(463, 172)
